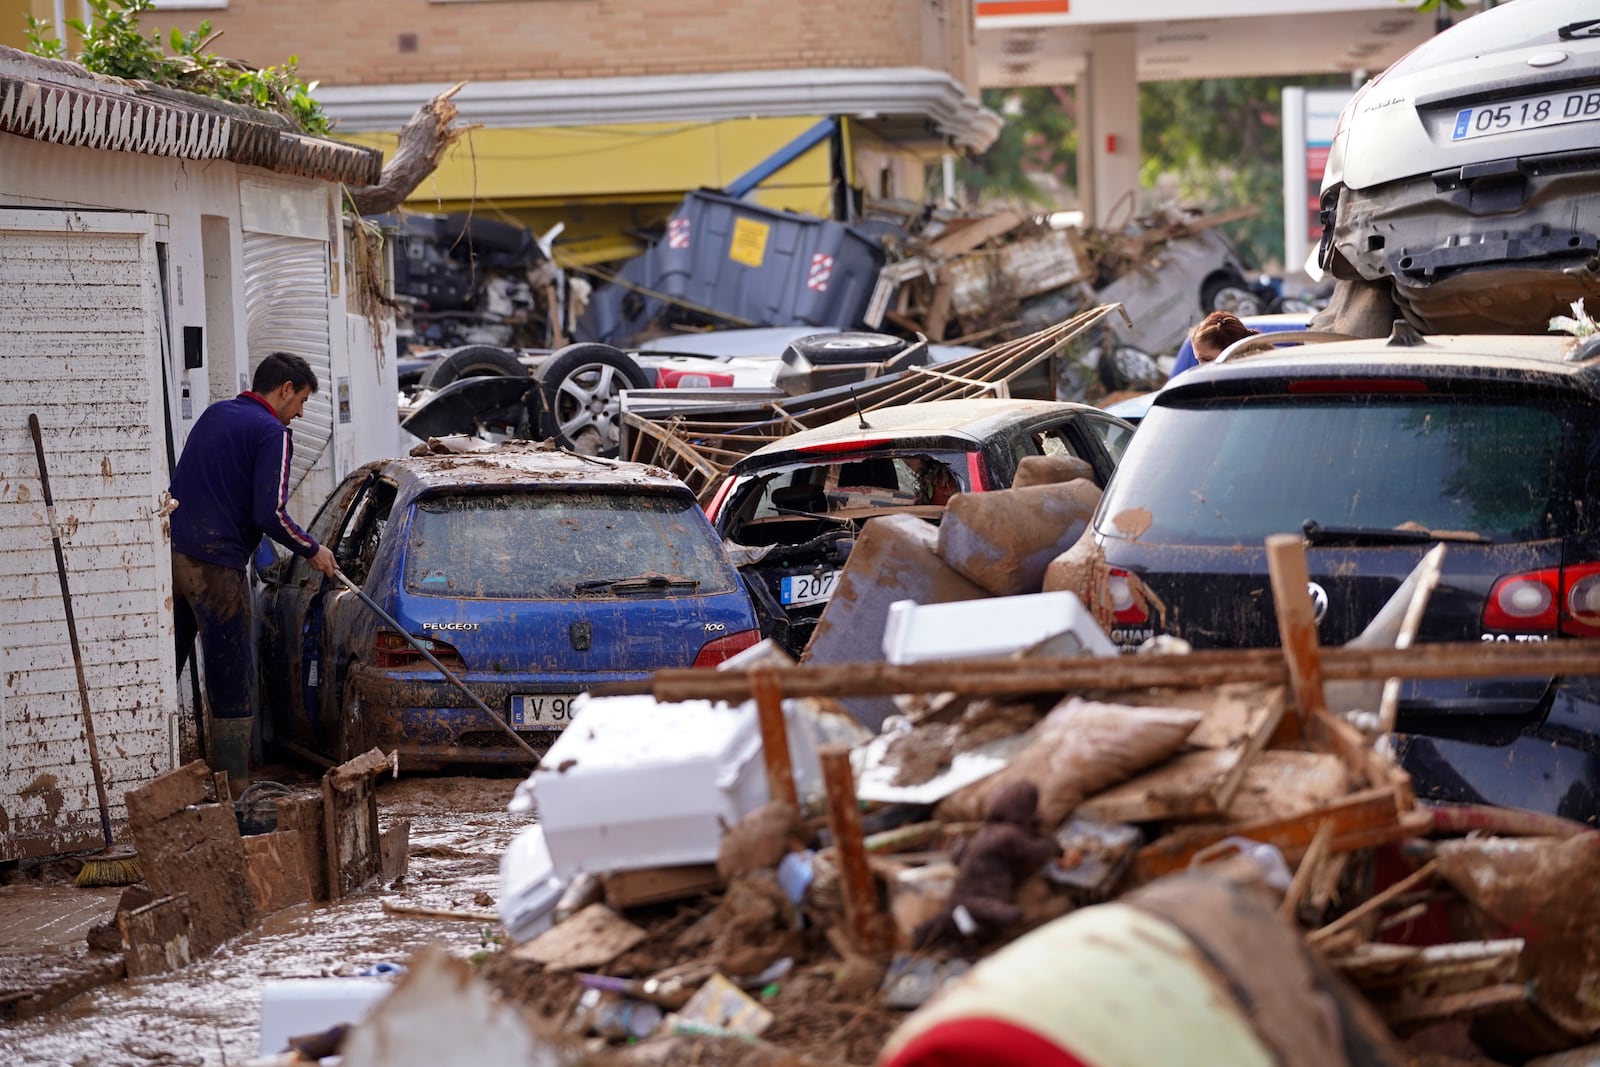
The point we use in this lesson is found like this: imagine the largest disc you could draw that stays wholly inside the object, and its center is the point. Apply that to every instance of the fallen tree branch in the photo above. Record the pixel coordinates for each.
(423, 142)
(418, 911)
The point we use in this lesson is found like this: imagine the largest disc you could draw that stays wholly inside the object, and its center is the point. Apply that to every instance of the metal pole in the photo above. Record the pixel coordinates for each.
(432, 659)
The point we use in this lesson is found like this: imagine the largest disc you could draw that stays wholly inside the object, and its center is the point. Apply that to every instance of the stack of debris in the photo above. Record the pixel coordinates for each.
(716, 869)
(214, 867)
(999, 275)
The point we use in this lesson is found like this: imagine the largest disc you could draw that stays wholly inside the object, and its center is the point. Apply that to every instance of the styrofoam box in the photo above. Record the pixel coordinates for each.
(998, 626)
(529, 886)
(632, 783)
(298, 1007)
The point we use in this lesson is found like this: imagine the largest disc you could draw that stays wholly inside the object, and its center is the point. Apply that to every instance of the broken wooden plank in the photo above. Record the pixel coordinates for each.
(1374, 903)
(1297, 624)
(972, 235)
(656, 885)
(1384, 966)
(419, 911)
(350, 822)
(870, 932)
(1415, 1013)
(276, 866)
(1315, 852)
(1372, 810)
(775, 738)
(592, 938)
(1461, 659)
(157, 937)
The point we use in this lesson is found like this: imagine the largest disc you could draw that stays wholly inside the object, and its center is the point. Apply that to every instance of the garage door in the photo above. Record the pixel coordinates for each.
(80, 348)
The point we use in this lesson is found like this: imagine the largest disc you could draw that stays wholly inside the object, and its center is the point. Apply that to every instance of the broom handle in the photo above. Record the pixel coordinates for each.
(72, 633)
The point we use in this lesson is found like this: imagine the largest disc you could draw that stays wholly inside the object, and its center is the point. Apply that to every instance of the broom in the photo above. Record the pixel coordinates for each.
(113, 866)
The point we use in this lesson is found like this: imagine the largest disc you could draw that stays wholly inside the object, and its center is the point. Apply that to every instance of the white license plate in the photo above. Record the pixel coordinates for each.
(541, 711)
(1528, 113)
(800, 589)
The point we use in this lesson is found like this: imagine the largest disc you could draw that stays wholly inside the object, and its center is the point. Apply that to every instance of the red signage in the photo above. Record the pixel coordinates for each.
(995, 8)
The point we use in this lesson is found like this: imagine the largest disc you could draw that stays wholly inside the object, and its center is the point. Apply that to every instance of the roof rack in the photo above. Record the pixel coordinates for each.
(1264, 342)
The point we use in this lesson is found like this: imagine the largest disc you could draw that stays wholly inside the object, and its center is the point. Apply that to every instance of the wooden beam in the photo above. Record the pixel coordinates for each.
(774, 738)
(1297, 624)
(1464, 659)
(870, 932)
(1372, 904)
(972, 235)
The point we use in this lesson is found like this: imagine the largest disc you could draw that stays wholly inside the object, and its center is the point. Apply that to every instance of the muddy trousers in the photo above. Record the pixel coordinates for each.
(213, 603)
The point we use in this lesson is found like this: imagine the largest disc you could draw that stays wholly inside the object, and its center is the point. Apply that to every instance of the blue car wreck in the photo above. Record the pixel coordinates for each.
(531, 573)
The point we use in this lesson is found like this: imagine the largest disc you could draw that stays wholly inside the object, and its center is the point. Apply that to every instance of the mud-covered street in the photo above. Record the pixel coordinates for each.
(209, 1012)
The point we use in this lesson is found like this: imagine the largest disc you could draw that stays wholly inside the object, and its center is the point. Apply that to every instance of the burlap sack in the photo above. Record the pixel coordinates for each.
(1077, 750)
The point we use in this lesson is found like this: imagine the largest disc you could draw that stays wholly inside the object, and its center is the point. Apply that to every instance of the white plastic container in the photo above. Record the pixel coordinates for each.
(632, 783)
(998, 626)
(297, 1007)
(529, 886)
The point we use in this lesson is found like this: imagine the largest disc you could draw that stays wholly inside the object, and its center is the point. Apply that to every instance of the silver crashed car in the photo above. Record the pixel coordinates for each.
(1462, 189)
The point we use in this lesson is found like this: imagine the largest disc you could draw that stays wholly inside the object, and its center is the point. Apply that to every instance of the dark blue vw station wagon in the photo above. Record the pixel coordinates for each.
(531, 573)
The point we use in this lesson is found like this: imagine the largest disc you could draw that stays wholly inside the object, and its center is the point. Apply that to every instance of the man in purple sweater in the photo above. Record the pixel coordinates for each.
(231, 487)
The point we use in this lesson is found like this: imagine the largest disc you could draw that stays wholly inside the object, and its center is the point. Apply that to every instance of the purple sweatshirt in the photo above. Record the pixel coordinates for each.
(232, 485)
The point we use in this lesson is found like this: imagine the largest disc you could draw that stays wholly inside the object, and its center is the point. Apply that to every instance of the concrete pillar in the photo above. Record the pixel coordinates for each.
(1108, 146)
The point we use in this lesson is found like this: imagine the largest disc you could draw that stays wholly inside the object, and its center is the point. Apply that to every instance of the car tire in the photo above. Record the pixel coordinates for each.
(1229, 292)
(474, 361)
(824, 349)
(580, 394)
(351, 739)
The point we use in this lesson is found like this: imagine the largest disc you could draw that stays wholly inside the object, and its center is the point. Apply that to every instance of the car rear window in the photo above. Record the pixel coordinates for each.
(1234, 472)
(844, 486)
(540, 544)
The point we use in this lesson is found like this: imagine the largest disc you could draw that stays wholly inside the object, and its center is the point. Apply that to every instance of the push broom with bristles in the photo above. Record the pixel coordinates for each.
(114, 866)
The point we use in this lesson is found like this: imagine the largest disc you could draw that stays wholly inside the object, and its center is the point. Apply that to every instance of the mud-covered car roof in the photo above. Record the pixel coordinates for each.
(975, 419)
(518, 463)
(1559, 361)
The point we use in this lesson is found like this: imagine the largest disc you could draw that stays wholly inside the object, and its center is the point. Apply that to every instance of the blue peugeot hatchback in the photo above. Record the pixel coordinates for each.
(531, 573)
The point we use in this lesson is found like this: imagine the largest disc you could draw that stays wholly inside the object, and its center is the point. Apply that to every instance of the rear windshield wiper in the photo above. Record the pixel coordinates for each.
(1583, 28)
(1318, 534)
(636, 583)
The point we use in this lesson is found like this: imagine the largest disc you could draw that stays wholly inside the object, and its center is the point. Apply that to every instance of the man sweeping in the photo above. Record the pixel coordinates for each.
(231, 487)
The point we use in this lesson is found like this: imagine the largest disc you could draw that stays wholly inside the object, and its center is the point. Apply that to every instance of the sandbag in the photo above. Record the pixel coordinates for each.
(1050, 470)
(1004, 540)
(1077, 750)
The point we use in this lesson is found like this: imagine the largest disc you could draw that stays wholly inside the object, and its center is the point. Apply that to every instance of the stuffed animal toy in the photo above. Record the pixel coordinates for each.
(990, 866)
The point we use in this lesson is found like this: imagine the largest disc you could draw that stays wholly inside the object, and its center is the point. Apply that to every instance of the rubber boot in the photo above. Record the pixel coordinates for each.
(230, 750)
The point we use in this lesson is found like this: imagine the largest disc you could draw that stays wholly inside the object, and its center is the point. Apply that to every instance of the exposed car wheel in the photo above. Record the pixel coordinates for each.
(1226, 292)
(826, 348)
(474, 361)
(351, 739)
(581, 390)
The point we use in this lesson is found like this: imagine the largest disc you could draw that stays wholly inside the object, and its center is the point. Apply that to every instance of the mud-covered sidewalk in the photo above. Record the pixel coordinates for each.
(209, 1011)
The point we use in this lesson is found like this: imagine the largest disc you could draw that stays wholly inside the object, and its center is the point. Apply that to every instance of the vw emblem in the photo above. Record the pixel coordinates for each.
(1319, 601)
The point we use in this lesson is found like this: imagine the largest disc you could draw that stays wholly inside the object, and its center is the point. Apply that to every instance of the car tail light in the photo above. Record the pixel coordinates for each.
(1563, 599)
(672, 378)
(392, 649)
(1580, 600)
(976, 475)
(853, 445)
(721, 497)
(1126, 608)
(714, 652)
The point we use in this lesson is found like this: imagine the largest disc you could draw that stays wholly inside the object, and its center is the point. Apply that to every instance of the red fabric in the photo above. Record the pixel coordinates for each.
(981, 1042)
(259, 399)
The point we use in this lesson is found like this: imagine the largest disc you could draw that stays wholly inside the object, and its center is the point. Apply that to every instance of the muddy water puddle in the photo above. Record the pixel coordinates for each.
(210, 1012)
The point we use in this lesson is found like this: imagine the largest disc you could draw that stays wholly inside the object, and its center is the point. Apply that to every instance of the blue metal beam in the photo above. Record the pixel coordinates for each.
(746, 183)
